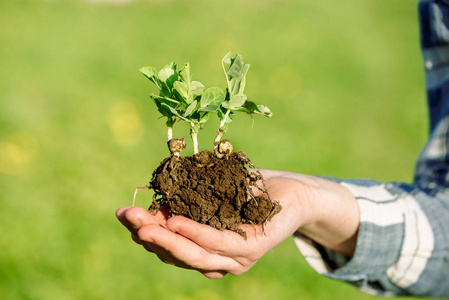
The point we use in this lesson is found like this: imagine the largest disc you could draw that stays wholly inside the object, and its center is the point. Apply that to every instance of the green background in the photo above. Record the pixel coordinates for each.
(78, 131)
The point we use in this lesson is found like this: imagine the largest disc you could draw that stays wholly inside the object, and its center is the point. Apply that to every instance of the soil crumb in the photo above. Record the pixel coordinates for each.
(213, 191)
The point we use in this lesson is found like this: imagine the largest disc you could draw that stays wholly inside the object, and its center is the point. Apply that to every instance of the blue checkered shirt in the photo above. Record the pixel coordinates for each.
(403, 239)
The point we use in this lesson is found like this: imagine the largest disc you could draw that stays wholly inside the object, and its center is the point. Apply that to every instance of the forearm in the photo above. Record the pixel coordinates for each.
(401, 243)
(328, 212)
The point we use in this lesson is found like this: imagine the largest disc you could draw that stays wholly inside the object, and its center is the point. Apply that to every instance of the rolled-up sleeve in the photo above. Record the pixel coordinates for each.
(402, 243)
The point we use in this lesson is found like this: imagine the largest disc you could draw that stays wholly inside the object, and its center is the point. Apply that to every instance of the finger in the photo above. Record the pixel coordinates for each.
(136, 212)
(175, 249)
(121, 210)
(214, 274)
(144, 244)
(138, 216)
(136, 239)
(228, 243)
(121, 216)
(133, 218)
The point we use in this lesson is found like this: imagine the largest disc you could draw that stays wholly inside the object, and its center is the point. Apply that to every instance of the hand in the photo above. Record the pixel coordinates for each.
(313, 206)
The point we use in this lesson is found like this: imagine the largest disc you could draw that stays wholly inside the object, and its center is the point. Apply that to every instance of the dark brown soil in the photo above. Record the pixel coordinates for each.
(213, 191)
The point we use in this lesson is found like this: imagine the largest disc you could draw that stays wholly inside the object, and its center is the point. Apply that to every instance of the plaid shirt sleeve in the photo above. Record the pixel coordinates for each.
(403, 239)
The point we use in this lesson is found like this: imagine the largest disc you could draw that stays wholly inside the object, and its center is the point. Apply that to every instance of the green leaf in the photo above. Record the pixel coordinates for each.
(172, 66)
(221, 115)
(162, 109)
(211, 108)
(199, 118)
(183, 89)
(213, 96)
(185, 73)
(252, 108)
(150, 73)
(168, 76)
(263, 110)
(165, 90)
(165, 73)
(166, 106)
(227, 58)
(196, 88)
(236, 66)
(238, 83)
(174, 111)
(190, 109)
(242, 77)
(204, 118)
(160, 99)
(235, 102)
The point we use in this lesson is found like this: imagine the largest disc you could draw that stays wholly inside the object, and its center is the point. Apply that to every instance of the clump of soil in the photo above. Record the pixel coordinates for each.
(213, 191)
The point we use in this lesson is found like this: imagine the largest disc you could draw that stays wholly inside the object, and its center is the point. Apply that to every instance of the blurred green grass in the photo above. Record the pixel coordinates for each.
(78, 132)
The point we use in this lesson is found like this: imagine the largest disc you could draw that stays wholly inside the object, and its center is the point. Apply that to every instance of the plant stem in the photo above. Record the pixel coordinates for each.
(223, 127)
(195, 142)
(194, 136)
(170, 133)
(219, 135)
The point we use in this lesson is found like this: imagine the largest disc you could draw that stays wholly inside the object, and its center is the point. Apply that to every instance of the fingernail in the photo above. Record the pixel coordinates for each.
(121, 210)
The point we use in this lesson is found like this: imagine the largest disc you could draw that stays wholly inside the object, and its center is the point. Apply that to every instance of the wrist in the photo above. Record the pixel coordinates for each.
(321, 209)
(336, 219)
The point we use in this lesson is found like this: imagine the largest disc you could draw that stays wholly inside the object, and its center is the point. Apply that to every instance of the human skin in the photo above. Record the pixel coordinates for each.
(318, 208)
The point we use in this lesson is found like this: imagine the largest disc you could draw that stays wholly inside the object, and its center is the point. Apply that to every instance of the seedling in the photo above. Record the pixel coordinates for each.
(211, 188)
(182, 99)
